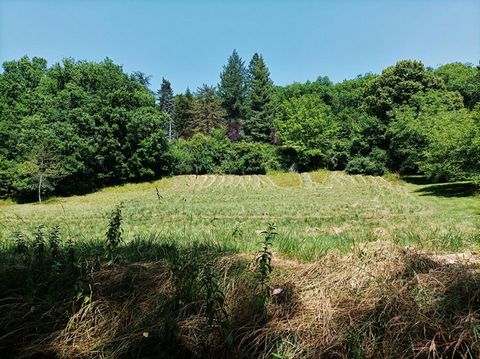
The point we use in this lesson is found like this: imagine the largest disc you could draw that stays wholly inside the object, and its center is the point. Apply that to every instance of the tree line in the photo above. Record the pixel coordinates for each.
(77, 126)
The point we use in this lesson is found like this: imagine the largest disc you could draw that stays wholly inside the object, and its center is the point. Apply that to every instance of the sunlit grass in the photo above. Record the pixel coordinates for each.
(286, 179)
(315, 213)
(319, 177)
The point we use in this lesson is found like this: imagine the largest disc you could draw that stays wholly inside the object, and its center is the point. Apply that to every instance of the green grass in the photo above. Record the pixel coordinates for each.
(185, 282)
(314, 212)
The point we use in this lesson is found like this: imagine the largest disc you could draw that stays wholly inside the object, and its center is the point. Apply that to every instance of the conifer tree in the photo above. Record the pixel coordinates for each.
(258, 123)
(183, 105)
(207, 112)
(165, 101)
(232, 91)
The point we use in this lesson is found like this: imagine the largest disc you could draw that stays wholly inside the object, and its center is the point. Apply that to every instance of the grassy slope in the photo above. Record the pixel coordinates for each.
(314, 212)
(153, 298)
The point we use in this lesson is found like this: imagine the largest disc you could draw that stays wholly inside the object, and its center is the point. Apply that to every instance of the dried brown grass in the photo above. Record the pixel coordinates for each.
(380, 301)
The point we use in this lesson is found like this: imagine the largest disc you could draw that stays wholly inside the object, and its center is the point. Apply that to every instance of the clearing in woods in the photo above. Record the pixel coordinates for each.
(315, 212)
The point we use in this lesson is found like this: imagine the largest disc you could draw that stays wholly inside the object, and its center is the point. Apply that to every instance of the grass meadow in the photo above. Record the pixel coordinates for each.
(286, 265)
(314, 213)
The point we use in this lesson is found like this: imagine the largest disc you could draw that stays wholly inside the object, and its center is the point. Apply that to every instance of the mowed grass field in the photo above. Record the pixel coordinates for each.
(315, 213)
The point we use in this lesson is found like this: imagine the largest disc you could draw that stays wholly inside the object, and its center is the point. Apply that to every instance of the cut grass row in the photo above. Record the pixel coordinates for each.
(315, 213)
(185, 283)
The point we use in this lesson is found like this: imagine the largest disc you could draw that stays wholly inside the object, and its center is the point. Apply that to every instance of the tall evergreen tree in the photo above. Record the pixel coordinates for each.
(165, 101)
(258, 124)
(232, 91)
(183, 106)
(208, 112)
(141, 77)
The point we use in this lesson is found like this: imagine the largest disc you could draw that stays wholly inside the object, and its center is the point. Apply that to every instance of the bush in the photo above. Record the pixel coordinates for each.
(252, 158)
(216, 154)
(374, 164)
(304, 159)
(200, 155)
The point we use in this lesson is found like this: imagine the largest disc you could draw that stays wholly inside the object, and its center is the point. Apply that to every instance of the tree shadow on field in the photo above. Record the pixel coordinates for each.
(441, 189)
(449, 190)
(418, 180)
(143, 299)
(133, 301)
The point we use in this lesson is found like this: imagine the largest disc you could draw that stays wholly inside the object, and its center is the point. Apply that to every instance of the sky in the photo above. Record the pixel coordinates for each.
(188, 41)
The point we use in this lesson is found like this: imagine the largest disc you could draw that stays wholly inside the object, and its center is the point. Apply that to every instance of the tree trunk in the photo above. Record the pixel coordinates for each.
(40, 180)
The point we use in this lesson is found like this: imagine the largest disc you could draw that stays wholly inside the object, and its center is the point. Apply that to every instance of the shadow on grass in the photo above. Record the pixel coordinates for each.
(43, 285)
(148, 299)
(442, 189)
(418, 180)
(463, 189)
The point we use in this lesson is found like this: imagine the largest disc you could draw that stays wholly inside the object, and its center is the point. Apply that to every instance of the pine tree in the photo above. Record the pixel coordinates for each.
(207, 112)
(183, 105)
(258, 124)
(165, 101)
(232, 91)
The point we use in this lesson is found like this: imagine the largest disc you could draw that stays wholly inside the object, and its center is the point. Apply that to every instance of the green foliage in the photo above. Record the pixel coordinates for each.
(214, 298)
(453, 150)
(216, 154)
(48, 266)
(165, 98)
(183, 108)
(165, 102)
(411, 124)
(462, 78)
(374, 164)
(252, 158)
(436, 136)
(77, 126)
(323, 88)
(350, 94)
(396, 85)
(264, 257)
(232, 88)
(38, 246)
(146, 145)
(201, 154)
(355, 349)
(81, 116)
(208, 113)
(54, 242)
(258, 123)
(114, 234)
(305, 123)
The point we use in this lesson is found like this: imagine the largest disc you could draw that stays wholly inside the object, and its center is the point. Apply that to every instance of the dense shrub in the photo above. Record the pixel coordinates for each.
(252, 158)
(373, 164)
(201, 154)
(216, 154)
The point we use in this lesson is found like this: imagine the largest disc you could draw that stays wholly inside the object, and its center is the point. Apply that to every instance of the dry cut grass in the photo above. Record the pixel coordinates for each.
(379, 301)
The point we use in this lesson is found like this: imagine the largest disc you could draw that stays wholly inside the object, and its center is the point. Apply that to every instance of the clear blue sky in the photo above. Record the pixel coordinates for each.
(188, 41)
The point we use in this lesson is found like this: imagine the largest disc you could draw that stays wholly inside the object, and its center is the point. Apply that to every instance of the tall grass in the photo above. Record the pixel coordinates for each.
(327, 216)
(358, 270)
(64, 299)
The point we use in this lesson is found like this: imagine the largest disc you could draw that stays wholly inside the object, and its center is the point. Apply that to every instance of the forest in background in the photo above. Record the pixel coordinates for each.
(77, 126)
